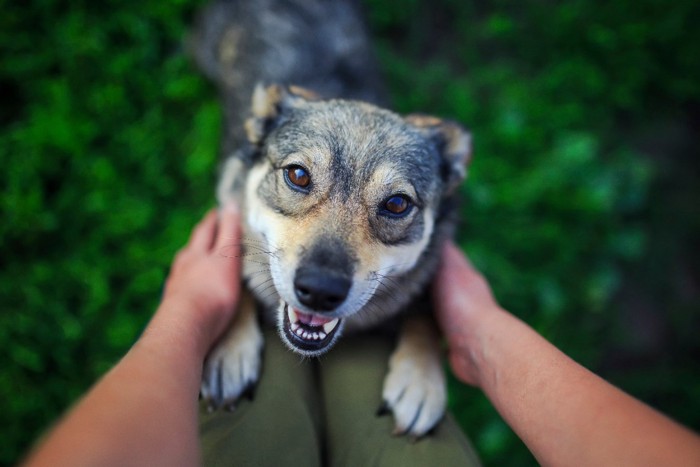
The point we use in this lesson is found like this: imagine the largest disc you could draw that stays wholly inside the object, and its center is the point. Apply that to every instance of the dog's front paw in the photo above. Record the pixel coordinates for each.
(415, 389)
(233, 367)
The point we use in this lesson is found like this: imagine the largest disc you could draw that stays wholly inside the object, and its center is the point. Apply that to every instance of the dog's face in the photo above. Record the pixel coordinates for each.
(345, 196)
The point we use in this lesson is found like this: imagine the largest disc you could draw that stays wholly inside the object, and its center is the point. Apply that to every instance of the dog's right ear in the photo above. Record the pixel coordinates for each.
(270, 105)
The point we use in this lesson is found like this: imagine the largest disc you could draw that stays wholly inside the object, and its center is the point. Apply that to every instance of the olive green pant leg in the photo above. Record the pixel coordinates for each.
(352, 376)
(282, 426)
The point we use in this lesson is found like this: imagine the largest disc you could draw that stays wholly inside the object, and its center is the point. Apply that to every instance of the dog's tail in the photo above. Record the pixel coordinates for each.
(318, 44)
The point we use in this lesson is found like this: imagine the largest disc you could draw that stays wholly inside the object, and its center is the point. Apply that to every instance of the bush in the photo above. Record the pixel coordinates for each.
(108, 148)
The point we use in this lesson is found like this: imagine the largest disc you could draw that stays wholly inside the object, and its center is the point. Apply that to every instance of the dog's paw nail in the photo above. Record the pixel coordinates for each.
(383, 409)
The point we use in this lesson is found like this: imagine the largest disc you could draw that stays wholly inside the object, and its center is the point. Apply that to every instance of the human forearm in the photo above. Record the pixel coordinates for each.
(564, 413)
(143, 411)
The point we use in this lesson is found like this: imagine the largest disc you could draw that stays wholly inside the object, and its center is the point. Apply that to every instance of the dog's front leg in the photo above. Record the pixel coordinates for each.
(415, 388)
(233, 366)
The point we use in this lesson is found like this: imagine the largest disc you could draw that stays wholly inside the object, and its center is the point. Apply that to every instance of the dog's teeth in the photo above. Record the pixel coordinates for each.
(302, 330)
(292, 315)
(330, 325)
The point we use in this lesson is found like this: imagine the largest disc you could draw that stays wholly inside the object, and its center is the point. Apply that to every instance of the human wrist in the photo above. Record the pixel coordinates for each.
(470, 344)
(501, 345)
(181, 324)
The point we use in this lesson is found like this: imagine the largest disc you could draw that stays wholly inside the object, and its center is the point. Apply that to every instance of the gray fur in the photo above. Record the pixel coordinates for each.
(317, 44)
(338, 229)
(360, 139)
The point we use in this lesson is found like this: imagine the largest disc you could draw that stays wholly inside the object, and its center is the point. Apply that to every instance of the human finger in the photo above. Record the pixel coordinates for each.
(456, 267)
(228, 233)
(460, 288)
(202, 236)
(454, 260)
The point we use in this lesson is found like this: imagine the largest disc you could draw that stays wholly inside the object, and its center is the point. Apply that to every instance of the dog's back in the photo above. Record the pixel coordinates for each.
(317, 44)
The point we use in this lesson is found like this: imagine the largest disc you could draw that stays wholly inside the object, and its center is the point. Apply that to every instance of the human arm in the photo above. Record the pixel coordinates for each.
(564, 413)
(144, 411)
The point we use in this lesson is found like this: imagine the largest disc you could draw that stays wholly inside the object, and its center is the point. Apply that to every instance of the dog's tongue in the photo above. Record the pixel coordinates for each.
(312, 320)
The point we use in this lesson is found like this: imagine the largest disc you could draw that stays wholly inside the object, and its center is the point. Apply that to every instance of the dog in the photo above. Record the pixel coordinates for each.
(345, 204)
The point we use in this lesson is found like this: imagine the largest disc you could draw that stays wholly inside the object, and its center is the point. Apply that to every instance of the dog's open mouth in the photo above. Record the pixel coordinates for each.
(308, 332)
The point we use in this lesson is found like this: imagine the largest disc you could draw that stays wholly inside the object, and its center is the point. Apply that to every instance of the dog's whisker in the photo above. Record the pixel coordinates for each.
(272, 292)
(254, 259)
(257, 253)
(266, 289)
(257, 273)
(263, 286)
(260, 248)
(397, 281)
(251, 254)
(262, 263)
(244, 250)
(371, 306)
(373, 312)
(388, 294)
(382, 278)
(387, 291)
(393, 266)
(384, 289)
(252, 240)
(272, 253)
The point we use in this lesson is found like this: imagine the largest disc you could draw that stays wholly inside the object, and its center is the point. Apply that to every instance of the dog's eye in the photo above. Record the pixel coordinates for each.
(297, 176)
(397, 205)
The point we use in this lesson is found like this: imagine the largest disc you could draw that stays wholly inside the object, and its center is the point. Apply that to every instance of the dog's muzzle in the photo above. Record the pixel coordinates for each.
(311, 334)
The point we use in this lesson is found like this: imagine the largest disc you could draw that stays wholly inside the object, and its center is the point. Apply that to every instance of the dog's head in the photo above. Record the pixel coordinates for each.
(345, 195)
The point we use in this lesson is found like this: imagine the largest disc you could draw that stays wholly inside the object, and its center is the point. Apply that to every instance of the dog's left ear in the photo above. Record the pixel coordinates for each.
(453, 142)
(269, 106)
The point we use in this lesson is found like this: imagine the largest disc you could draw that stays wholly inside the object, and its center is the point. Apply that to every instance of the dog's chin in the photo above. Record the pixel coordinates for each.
(307, 334)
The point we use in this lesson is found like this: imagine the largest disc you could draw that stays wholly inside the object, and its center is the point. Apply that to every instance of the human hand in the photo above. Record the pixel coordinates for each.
(162, 370)
(204, 282)
(462, 300)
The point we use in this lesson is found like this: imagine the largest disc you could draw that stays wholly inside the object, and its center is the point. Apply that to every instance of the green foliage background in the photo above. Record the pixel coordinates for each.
(582, 203)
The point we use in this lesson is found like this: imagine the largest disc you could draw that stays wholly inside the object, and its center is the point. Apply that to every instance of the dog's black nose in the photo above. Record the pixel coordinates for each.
(320, 289)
